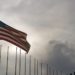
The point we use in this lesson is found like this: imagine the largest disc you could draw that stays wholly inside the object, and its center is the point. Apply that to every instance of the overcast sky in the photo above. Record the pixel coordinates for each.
(50, 25)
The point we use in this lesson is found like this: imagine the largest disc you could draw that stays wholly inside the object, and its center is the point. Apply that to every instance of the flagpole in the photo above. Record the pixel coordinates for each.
(30, 66)
(37, 67)
(25, 63)
(0, 52)
(47, 69)
(16, 62)
(7, 60)
(34, 66)
(61, 72)
(56, 72)
(41, 68)
(53, 71)
(20, 63)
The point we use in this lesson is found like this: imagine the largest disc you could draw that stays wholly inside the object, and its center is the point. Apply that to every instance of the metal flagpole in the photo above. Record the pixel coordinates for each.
(34, 66)
(20, 63)
(53, 71)
(61, 72)
(47, 69)
(16, 62)
(25, 63)
(56, 72)
(30, 66)
(37, 67)
(41, 68)
(7, 60)
(0, 52)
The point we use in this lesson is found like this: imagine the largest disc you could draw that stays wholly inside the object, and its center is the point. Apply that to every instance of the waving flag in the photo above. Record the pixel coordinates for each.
(14, 36)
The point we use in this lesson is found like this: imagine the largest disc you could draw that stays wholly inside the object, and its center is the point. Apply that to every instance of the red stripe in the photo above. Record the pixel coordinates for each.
(15, 30)
(24, 42)
(17, 40)
(11, 32)
(2, 37)
(9, 35)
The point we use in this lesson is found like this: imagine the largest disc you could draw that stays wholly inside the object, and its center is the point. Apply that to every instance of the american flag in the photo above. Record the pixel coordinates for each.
(14, 36)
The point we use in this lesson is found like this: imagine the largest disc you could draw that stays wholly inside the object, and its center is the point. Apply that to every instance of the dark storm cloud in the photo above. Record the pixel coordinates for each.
(61, 55)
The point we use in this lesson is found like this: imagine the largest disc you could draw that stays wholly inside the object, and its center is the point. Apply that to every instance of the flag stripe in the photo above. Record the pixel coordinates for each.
(10, 35)
(20, 40)
(13, 33)
(2, 37)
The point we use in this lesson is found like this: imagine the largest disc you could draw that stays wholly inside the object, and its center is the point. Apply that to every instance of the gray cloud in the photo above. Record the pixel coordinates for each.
(61, 55)
(43, 20)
